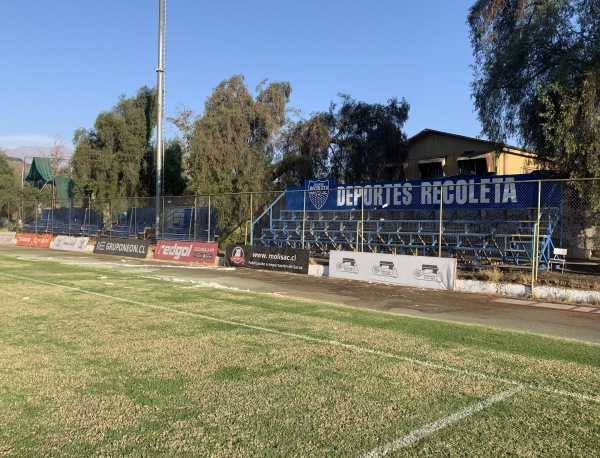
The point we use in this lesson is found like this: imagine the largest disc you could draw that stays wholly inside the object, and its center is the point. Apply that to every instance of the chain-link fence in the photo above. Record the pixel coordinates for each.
(224, 218)
(530, 231)
(496, 227)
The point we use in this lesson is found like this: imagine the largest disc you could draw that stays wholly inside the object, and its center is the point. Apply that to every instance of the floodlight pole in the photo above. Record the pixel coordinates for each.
(159, 119)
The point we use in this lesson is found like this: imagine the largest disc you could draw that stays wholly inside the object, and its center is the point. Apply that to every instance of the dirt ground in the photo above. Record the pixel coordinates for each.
(452, 306)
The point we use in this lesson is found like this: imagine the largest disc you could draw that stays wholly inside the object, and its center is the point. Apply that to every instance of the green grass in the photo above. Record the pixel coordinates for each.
(99, 363)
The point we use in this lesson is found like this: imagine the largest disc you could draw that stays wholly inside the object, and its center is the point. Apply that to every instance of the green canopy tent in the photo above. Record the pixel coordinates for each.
(41, 173)
(63, 187)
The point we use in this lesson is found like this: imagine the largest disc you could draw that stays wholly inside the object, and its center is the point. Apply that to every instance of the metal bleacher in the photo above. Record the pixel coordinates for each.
(66, 221)
(475, 237)
(189, 224)
(133, 223)
(180, 223)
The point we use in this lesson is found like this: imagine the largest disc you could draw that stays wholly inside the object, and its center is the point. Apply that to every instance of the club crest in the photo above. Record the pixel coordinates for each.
(318, 191)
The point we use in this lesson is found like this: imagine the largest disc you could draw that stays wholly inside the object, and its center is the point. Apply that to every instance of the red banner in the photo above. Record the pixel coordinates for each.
(36, 240)
(205, 253)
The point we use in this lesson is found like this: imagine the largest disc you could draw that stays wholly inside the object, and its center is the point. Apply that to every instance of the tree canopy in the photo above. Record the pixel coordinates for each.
(8, 179)
(355, 142)
(234, 143)
(9, 189)
(115, 158)
(537, 78)
(235, 140)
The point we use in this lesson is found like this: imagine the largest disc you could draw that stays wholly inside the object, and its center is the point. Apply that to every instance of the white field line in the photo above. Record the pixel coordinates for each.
(418, 434)
(334, 343)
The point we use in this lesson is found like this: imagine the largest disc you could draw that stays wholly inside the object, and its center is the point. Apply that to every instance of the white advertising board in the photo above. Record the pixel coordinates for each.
(7, 238)
(419, 271)
(69, 243)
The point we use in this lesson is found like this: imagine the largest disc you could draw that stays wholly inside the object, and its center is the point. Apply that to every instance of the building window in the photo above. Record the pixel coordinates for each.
(431, 170)
(476, 167)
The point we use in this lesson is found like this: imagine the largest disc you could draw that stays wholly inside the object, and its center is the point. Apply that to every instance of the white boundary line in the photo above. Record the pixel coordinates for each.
(549, 390)
(418, 434)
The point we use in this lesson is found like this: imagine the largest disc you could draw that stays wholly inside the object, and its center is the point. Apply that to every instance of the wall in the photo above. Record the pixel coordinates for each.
(433, 144)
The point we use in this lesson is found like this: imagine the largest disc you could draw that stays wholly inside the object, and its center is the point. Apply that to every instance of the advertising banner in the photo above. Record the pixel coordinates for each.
(267, 258)
(508, 191)
(205, 253)
(122, 247)
(7, 238)
(419, 271)
(36, 240)
(69, 243)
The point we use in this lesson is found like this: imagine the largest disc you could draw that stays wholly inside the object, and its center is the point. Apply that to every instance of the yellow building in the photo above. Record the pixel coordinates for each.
(435, 154)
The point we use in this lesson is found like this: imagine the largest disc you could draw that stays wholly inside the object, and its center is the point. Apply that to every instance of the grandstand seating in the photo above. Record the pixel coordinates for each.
(181, 223)
(474, 237)
(187, 224)
(66, 221)
(133, 223)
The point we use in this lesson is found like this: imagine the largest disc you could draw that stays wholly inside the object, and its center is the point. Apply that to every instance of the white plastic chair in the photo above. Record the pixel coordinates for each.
(559, 255)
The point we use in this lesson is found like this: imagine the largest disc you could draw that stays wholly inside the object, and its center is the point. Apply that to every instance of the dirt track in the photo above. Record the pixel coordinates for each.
(442, 305)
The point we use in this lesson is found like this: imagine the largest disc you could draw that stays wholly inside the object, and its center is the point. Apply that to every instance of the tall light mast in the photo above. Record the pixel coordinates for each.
(159, 119)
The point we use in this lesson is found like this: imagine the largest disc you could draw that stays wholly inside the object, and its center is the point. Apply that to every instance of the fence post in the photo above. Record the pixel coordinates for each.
(162, 214)
(208, 237)
(534, 257)
(303, 216)
(440, 221)
(195, 216)
(36, 216)
(251, 220)
(362, 220)
(536, 241)
(537, 237)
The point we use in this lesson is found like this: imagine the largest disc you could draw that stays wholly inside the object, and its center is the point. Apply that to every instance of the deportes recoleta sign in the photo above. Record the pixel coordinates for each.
(122, 247)
(267, 258)
(506, 191)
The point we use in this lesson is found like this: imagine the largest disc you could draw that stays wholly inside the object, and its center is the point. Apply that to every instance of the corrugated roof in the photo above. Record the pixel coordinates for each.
(426, 132)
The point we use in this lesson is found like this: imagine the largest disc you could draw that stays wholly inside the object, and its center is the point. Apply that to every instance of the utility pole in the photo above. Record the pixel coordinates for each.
(159, 120)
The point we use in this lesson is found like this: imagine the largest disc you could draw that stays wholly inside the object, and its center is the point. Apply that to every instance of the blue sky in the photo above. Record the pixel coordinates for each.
(65, 61)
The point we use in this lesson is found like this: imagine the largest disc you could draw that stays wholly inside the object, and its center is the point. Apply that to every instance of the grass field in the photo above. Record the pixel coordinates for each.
(100, 363)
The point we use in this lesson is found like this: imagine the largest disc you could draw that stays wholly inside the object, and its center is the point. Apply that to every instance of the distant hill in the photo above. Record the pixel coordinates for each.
(36, 151)
(17, 165)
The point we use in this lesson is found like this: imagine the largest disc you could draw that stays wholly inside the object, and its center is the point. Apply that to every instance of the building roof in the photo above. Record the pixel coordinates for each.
(427, 132)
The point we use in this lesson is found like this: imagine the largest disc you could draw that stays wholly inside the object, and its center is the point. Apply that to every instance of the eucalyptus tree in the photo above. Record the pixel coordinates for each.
(9, 189)
(174, 177)
(235, 140)
(537, 78)
(110, 158)
(184, 120)
(234, 143)
(305, 151)
(353, 142)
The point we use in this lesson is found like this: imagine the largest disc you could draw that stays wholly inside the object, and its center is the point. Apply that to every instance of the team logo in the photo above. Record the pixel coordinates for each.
(237, 256)
(318, 191)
